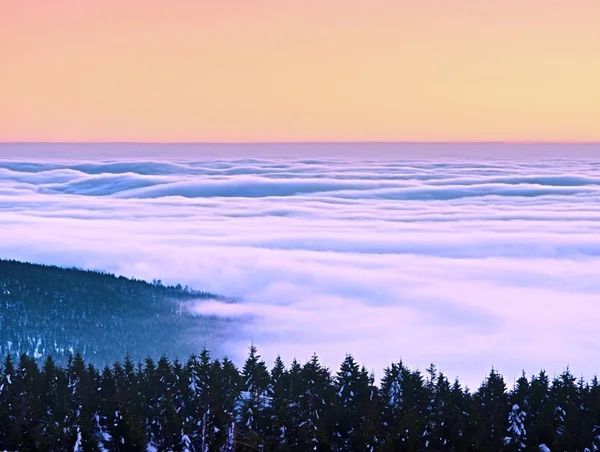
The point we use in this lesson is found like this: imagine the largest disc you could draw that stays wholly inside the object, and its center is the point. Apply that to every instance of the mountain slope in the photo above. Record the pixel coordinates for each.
(48, 310)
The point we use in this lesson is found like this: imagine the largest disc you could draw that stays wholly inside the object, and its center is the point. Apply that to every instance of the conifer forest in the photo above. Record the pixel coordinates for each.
(205, 404)
(53, 311)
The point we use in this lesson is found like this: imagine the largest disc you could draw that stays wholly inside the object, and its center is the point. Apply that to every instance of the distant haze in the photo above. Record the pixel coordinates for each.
(301, 150)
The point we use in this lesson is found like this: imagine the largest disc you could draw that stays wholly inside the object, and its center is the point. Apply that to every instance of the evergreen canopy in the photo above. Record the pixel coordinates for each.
(48, 310)
(207, 404)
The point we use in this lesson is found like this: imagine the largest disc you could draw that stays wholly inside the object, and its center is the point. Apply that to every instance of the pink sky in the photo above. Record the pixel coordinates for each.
(277, 70)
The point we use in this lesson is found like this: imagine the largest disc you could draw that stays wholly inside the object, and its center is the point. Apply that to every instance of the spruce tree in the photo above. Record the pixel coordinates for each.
(432, 409)
(106, 391)
(124, 432)
(189, 389)
(370, 426)
(291, 423)
(567, 410)
(445, 413)
(593, 400)
(151, 410)
(585, 420)
(54, 408)
(9, 400)
(170, 437)
(254, 402)
(458, 417)
(278, 411)
(355, 400)
(541, 428)
(83, 434)
(516, 434)
(315, 406)
(492, 408)
(124, 423)
(225, 381)
(404, 403)
(26, 434)
(180, 397)
(200, 384)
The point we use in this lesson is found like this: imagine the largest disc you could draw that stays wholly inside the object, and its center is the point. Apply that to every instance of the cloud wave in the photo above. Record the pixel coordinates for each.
(470, 263)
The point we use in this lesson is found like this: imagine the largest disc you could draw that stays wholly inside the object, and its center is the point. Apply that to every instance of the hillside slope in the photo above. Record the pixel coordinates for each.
(48, 310)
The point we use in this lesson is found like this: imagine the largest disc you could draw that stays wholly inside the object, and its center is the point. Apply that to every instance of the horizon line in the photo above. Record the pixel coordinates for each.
(511, 142)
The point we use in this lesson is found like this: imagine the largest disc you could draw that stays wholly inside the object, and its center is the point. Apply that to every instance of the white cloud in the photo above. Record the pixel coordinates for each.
(468, 263)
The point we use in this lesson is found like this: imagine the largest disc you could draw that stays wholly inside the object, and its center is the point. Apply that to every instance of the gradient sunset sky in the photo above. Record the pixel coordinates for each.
(287, 70)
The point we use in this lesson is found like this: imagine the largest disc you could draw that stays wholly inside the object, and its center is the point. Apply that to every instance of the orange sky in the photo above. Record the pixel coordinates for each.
(299, 70)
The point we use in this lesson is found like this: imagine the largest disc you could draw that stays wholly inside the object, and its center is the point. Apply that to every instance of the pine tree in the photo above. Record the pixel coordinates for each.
(541, 412)
(315, 406)
(161, 385)
(445, 413)
(492, 407)
(106, 392)
(225, 381)
(432, 410)
(124, 432)
(170, 437)
(404, 401)
(458, 417)
(180, 398)
(197, 415)
(205, 406)
(291, 423)
(593, 399)
(26, 435)
(278, 411)
(54, 398)
(124, 427)
(254, 402)
(585, 417)
(151, 395)
(370, 426)
(82, 426)
(516, 434)
(565, 398)
(9, 399)
(355, 401)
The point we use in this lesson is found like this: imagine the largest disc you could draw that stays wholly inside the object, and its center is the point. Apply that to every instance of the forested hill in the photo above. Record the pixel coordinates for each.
(48, 310)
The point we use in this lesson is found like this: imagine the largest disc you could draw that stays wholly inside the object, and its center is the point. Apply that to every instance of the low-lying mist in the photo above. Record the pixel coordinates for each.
(469, 264)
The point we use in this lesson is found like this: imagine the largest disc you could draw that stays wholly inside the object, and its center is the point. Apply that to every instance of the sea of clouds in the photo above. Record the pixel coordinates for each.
(466, 262)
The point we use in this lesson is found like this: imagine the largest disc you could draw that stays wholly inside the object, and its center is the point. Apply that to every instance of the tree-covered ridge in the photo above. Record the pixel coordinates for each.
(48, 310)
(204, 405)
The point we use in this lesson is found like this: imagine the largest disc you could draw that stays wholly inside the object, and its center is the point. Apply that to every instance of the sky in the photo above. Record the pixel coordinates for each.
(282, 70)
